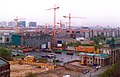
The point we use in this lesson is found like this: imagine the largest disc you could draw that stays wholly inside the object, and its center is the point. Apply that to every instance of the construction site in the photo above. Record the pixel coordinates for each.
(58, 51)
(42, 70)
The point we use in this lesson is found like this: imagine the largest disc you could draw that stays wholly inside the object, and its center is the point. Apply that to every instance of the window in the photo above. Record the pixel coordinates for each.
(88, 61)
(91, 62)
(7, 39)
(0, 38)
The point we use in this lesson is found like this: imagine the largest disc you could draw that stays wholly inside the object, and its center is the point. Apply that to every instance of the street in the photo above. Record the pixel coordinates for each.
(95, 73)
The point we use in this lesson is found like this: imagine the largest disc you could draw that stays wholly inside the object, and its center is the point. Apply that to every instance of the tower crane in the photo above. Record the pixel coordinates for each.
(61, 25)
(16, 20)
(69, 17)
(54, 31)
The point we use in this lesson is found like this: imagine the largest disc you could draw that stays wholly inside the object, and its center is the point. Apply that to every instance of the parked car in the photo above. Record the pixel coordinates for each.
(51, 55)
(85, 71)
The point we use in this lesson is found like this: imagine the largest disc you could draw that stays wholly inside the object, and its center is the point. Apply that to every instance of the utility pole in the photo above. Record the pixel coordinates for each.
(54, 31)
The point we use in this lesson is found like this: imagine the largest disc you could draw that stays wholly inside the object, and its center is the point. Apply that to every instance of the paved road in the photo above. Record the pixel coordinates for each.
(95, 73)
(62, 57)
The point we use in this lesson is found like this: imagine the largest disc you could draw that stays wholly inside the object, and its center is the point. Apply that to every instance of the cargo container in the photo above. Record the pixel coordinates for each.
(90, 49)
(15, 40)
(27, 50)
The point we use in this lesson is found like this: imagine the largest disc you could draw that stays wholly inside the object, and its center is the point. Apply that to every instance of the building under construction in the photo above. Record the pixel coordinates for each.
(36, 40)
(40, 40)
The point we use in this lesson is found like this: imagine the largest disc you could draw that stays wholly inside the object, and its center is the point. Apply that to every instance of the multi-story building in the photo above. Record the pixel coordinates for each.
(90, 33)
(22, 24)
(4, 39)
(95, 59)
(3, 23)
(115, 55)
(32, 24)
(11, 24)
(37, 40)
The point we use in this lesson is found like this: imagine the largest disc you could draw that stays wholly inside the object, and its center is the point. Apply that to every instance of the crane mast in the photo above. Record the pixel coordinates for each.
(54, 30)
(16, 20)
(69, 17)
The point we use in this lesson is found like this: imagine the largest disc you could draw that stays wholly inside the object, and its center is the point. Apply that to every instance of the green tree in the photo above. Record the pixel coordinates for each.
(5, 53)
(78, 43)
(113, 71)
(64, 44)
(96, 39)
(102, 37)
(70, 44)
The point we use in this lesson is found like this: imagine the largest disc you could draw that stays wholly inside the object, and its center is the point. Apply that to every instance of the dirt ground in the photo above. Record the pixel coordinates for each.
(21, 70)
(59, 72)
(70, 69)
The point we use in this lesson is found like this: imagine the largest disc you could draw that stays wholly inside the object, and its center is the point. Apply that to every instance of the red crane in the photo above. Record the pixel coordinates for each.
(69, 17)
(54, 31)
(17, 30)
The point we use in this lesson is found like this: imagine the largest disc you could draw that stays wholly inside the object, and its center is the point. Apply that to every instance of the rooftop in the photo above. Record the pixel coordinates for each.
(91, 54)
(3, 62)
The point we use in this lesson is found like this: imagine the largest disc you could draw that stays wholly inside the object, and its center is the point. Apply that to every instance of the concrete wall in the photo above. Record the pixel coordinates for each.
(38, 41)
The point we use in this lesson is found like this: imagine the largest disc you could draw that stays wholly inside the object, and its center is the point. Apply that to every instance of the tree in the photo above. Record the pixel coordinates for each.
(102, 37)
(70, 44)
(5, 53)
(78, 43)
(96, 39)
(113, 71)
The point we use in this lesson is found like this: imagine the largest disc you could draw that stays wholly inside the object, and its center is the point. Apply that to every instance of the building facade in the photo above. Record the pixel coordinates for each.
(22, 24)
(4, 39)
(11, 24)
(95, 59)
(41, 41)
(115, 55)
(32, 24)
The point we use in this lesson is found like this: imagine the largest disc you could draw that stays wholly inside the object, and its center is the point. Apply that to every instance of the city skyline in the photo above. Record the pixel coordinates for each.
(96, 12)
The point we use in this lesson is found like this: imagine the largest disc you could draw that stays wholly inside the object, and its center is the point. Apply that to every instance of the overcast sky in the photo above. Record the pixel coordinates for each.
(96, 12)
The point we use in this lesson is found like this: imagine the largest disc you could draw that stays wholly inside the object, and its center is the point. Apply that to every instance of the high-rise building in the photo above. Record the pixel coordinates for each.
(32, 24)
(11, 24)
(22, 24)
(3, 24)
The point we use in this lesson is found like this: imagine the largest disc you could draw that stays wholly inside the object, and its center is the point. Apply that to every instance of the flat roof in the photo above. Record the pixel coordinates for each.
(100, 55)
(3, 62)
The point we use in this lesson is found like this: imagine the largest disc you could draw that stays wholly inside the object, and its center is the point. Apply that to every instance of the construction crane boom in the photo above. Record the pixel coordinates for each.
(69, 17)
